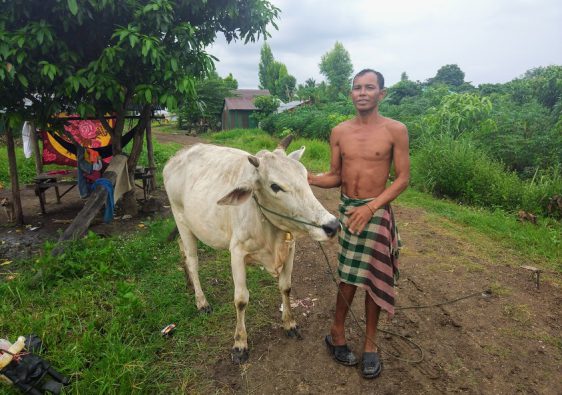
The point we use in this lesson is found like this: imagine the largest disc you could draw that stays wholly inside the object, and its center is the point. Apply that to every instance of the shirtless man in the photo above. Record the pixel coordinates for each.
(362, 151)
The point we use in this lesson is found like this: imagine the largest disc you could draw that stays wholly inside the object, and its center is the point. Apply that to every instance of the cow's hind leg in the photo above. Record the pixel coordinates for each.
(289, 323)
(188, 246)
(241, 298)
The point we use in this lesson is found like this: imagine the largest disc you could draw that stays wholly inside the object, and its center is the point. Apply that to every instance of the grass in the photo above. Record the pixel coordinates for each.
(99, 309)
(26, 167)
(541, 244)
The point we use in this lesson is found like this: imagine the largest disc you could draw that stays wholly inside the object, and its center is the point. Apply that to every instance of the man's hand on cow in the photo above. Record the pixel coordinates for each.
(359, 217)
(309, 178)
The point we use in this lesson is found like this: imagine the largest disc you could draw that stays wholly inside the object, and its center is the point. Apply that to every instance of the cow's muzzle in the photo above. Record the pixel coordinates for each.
(331, 228)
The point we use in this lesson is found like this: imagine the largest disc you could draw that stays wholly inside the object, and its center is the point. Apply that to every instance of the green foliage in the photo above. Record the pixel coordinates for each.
(450, 74)
(312, 122)
(266, 106)
(337, 67)
(274, 76)
(458, 114)
(108, 55)
(204, 111)
(457, 169)
(403, 89)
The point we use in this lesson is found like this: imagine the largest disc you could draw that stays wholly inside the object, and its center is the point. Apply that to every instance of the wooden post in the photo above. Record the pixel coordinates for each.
(16, 199)
(36, 151)
(96, 200)
(150, 153)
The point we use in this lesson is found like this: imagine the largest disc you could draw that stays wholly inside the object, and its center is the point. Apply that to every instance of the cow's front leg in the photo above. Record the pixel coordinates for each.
(241, 298)
(289, 323)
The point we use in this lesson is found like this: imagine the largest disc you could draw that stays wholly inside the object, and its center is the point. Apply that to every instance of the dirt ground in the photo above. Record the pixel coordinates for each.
(507, 341)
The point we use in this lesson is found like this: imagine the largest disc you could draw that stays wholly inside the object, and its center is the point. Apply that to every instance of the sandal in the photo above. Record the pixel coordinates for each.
(371, 367)
(342, 354)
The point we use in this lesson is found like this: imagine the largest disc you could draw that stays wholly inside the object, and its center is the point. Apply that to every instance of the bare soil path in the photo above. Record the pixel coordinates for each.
(506, 342)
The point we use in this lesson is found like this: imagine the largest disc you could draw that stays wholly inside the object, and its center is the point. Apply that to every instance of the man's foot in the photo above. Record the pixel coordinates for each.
(342, 354)
(371, 366)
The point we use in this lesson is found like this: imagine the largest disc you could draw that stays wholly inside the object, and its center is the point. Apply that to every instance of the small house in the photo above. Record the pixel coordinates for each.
(237, 109)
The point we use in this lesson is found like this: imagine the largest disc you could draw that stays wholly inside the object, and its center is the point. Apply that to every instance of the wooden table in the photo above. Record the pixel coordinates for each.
(146, 175)
(48, 180)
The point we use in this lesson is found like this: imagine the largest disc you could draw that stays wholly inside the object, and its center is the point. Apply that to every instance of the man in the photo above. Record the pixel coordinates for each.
(362, 152)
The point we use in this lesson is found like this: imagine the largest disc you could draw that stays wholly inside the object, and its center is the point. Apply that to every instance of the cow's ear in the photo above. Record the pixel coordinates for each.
(235, 197)
(296, 155)
(254, 161)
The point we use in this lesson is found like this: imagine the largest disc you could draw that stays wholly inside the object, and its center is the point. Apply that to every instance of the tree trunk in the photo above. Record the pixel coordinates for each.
(36, 152)
(16, 199)
(150, 152)
(128, 202)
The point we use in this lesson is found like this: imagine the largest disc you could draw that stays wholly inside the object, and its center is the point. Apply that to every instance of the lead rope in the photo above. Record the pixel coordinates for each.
(286, 216)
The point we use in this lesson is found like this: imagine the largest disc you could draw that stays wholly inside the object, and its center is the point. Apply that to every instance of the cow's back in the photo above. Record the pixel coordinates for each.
(195, 179)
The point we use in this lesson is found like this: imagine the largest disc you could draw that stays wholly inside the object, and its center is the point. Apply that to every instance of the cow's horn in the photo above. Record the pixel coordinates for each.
(254, 161)
(283, 144)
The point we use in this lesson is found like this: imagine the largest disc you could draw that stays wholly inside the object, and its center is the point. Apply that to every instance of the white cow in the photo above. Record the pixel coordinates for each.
(226, 197)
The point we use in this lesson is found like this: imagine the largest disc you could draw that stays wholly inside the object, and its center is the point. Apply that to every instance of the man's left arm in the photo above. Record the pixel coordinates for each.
(401, 161)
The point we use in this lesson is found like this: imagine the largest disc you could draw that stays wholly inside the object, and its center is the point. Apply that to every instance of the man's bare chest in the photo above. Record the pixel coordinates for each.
(371, 148)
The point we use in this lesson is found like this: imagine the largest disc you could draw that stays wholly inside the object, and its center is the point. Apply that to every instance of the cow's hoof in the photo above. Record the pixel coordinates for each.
(294, 333)
(206, 310)
(239, 355)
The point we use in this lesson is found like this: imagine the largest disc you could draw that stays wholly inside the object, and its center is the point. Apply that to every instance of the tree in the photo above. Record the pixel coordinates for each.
(266, 106)
(337, 67)
(100, 56)
(108, 55)
(204, 111)
(274, 76)
(265, 67)
(402, 89)
(307, 90)
(450, 74)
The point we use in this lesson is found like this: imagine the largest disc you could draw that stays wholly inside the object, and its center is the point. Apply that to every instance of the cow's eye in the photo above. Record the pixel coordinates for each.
(276, 188)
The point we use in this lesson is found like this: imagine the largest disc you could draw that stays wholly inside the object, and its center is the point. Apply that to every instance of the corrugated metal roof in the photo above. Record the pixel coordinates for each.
(290, 105)
(244, 99)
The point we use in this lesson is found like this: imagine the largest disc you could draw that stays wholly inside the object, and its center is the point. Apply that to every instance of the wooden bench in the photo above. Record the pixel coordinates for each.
(48, 180)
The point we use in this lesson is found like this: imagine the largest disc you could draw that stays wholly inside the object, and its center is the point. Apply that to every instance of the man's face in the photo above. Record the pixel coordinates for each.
(365, 92)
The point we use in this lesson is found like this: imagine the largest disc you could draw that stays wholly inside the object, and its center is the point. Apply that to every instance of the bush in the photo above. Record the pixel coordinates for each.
(312, 122)
(457, 169)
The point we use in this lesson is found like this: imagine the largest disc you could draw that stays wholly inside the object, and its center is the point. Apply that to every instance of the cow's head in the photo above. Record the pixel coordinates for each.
(279, 183)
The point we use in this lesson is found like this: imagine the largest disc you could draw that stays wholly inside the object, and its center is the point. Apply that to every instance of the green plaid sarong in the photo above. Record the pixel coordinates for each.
(370, 260)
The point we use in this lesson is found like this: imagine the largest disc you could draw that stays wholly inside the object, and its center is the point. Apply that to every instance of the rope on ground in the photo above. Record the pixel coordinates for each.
(411, 342)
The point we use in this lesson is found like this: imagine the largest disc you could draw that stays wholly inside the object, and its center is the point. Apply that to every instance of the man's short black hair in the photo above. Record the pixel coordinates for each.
(380, 77)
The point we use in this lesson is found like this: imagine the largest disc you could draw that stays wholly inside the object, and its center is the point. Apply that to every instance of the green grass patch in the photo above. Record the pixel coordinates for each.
(166, 127)
(26, 166)
(540, 243)
(100, 306)
(316, 155)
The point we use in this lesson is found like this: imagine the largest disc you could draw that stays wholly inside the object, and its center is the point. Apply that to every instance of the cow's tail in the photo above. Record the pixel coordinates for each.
(173, 234)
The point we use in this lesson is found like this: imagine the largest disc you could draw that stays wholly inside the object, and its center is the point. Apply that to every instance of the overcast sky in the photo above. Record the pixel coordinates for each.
(490, 40)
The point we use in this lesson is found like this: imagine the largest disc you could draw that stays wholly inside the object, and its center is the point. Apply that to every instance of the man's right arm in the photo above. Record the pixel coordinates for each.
(331, 179)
